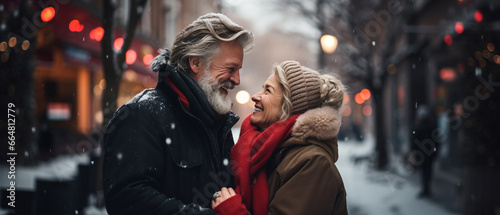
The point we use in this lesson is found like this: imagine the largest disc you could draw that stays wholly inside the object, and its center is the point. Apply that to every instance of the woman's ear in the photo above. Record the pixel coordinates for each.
(194, 64)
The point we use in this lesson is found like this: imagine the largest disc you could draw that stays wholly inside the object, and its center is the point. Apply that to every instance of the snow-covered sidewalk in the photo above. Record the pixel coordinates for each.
(373, 192)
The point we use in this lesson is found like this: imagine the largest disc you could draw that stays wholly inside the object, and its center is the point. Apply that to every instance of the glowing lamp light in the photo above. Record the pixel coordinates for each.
(147, 59)
(448, 39)
(47, 14)
(359, 99)
(118, 43)
(365, 94)
(75, 26)
(328, 43)
(447, 74)
(242, 97)
(478, 16)
(367, 110)
(97, 34)
(130, 57)
(459, 27)
(347, 111)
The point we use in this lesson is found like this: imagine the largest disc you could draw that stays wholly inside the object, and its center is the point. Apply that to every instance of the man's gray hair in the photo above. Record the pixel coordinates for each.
(202, 38)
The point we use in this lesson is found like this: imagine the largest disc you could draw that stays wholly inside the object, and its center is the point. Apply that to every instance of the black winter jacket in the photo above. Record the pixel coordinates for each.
(166, 150)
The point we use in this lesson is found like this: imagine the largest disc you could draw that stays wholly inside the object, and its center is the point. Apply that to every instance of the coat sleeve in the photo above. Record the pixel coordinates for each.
(134, 165)
(309, 185)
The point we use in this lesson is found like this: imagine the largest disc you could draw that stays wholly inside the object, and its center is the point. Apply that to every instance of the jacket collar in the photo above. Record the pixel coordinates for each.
(318, 126)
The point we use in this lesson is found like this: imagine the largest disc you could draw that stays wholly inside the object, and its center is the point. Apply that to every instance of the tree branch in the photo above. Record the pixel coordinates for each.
(135, 13)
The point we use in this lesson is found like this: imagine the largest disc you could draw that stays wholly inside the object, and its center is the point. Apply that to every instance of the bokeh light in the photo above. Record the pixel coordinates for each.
(12, 41)
(367, 110)
(359, 99)
(365, 94)
(478, 16)
(130, 57)
(448, 39)
(459, 27)
(242, 97)
(25, 45)
(328, 43)
(118, 43)
(147, 59)
(75, 26)
(47, 14)
(97, 34)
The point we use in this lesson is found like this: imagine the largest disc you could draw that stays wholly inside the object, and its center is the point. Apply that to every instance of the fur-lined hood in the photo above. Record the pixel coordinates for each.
(319, 127)
(319, 123)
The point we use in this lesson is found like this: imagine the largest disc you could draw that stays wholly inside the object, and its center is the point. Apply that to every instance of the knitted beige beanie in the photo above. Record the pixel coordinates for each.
(304, 86)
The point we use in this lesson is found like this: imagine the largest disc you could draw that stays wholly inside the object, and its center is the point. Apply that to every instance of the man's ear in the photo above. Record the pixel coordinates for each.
(194, 64)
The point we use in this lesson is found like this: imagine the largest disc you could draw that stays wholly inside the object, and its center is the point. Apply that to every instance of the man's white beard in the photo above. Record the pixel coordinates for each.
(211, 86)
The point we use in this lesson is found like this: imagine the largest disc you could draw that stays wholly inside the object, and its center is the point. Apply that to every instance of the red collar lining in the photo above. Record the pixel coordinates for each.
(183, 98)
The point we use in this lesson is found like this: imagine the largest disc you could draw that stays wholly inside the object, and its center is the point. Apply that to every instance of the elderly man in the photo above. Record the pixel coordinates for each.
(167, 150)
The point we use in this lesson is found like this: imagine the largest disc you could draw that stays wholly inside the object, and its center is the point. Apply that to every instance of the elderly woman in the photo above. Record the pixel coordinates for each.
(284, 161)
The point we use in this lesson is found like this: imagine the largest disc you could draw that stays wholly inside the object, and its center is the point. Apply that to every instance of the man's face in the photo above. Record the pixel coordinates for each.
(222, 76)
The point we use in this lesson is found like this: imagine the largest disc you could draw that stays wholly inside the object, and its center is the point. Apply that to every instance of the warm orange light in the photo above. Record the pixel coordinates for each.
(359, 99)
(365, 94)
(490, 47)
(118, 43)
(447, 74)
(478, 16)
(347, 111)
(346, 98)
(97, 34)
(448, 39)
(75, 26)
(459, 27)
(48, 14)
(496, 58)
(367, 110)
(130, 57)
(147, 59)
(328, 43)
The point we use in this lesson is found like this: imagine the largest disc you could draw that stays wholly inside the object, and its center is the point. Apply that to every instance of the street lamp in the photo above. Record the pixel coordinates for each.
(328, 43)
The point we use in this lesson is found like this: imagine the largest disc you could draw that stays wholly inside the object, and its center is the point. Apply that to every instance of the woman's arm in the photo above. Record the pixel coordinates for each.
(309, 186)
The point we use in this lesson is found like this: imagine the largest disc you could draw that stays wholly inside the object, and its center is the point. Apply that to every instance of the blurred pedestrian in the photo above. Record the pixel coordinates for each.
(425, 145)
(284, 161)
(167, 149)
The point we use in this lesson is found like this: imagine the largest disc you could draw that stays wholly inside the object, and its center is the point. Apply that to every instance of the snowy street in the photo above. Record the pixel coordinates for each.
(370, 192)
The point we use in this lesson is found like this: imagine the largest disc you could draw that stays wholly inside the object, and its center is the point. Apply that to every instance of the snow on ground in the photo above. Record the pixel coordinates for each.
(371, 192)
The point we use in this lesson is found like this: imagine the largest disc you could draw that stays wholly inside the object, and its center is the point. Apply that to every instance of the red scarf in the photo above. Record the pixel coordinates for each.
(248, 159)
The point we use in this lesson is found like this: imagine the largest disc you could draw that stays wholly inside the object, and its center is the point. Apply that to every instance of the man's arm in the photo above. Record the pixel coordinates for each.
(134, 167)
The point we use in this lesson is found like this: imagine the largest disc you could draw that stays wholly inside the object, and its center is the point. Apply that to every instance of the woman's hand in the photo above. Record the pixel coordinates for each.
(224, 193)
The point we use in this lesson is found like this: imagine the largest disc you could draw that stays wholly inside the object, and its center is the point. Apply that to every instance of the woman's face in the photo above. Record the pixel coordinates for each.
(267, 103)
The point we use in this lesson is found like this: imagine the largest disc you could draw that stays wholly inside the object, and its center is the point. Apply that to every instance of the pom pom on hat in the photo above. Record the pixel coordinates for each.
(304, 86)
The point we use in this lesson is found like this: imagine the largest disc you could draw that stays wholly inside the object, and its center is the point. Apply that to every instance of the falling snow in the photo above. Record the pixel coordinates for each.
(168, 141)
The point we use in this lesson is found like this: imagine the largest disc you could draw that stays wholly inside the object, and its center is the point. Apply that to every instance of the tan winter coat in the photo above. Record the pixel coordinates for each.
(303, 178)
